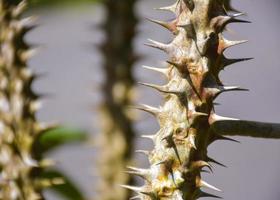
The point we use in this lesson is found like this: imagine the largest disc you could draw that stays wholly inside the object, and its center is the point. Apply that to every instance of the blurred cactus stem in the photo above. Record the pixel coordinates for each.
(117, 137)
(188, 121)
(19, 128)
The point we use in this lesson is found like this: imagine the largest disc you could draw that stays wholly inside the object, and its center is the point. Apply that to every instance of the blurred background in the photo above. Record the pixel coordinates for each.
(73, 75)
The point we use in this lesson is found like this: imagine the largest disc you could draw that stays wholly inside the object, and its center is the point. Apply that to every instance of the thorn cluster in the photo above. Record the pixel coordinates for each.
(19, 129)
(185, 118)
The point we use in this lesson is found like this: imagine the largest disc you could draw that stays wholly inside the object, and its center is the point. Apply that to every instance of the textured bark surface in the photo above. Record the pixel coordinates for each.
(19, 128)
(117, 125)
(185, 118)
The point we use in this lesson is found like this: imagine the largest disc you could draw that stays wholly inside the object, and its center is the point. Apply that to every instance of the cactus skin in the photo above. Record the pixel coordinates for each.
(18, 104)
(118, 90)
(187, 119)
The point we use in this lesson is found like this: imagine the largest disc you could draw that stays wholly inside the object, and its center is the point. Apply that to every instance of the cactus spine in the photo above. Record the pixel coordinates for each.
(117, 127)
(187, 119)
(18, 104)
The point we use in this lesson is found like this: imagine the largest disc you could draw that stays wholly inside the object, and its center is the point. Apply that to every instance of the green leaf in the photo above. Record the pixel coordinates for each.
(55, 138)
(69, 190)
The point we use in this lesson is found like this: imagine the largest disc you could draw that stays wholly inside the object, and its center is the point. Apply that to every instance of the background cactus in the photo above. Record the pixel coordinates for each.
(24, 141)
(187, 118)
(118, 89)
(19, 127)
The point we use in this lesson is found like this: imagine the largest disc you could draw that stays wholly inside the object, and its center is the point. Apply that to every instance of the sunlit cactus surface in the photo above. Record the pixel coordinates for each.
(187, 118)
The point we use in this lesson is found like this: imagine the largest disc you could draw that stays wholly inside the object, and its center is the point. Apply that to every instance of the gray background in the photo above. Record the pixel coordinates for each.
(73, 74)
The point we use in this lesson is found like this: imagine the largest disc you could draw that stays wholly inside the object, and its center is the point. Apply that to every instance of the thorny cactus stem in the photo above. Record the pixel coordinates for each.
(18, 104)
(188, 122)
(118, 91)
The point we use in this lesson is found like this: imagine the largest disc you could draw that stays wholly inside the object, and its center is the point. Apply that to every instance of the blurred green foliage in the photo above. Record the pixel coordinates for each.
(56, 138)
(51, 140)
(68, 190)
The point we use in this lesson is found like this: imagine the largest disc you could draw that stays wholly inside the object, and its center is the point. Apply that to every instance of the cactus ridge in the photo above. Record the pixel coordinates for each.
(118, 92)
(19, 128)
(187, 114)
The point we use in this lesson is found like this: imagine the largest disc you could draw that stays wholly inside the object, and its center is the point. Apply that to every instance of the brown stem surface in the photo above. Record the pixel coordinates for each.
(247, 128)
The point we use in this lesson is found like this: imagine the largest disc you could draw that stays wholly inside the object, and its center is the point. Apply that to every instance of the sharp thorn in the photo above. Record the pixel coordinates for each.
(192, 141)
(205, 194)
(200, 164)
(227, 62)
(161, 70)
(171, 8)
(133, 188)
(207, 185)
(215, 162)
(156, 87)
(135, 197)
(215, 118)
(225, 44)
(158, 45)
(233, 88)
(200, 114)
(152, 110)
(144, 173)
(237, 15)
(167, 25)
(220, 137)
(234, 20)
(151, 137)
(147, 153)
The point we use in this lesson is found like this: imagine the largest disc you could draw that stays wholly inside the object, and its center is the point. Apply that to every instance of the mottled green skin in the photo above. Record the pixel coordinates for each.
(118, 132)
